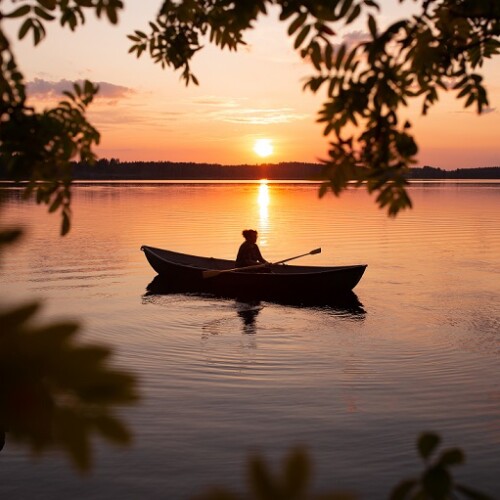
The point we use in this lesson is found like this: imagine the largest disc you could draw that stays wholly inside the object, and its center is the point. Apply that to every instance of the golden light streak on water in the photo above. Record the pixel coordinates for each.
(263, 200)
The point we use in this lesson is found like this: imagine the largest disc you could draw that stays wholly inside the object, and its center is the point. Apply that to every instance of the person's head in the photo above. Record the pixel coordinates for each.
(250, 235)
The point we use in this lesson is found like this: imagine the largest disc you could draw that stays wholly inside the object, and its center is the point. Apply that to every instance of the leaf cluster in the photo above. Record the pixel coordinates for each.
(38, 147)
(70, 13)
(293, 482)
(368, 85)
(436, 482)
(177, 32)
(55, 392)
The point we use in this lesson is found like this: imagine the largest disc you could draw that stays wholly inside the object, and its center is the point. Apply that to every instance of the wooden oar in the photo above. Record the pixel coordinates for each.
(211, 274)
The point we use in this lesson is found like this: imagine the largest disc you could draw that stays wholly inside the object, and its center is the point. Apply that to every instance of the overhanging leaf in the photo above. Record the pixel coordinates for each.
(427, 443)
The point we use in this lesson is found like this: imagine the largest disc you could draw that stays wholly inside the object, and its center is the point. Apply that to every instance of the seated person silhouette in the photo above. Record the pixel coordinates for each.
(249, 253)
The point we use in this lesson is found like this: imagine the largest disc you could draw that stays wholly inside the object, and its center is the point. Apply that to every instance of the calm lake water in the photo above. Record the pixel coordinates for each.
(219, 383)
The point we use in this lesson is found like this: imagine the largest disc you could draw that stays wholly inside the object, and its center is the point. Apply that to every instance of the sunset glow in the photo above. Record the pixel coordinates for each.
(246, 103)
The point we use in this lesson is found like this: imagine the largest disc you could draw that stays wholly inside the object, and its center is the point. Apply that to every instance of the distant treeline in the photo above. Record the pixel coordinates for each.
(459, 173)
(114, 169)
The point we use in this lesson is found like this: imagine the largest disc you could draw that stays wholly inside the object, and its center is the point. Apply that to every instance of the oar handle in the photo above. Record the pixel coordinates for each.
(213, 273)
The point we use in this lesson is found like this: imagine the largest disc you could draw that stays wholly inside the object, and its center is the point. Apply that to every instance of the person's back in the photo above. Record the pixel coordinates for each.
(249, 253)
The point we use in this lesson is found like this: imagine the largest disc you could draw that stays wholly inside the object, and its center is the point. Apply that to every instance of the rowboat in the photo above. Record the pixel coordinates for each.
(188, 273)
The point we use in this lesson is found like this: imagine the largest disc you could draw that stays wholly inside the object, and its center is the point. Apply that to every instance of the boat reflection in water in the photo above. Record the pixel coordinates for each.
(248, 312)
(346, 305)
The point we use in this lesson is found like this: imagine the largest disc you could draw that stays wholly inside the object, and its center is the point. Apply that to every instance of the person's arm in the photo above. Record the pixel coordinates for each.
(259, 256)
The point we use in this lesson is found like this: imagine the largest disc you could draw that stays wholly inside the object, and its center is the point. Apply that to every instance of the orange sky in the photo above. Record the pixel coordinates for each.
(145, 113)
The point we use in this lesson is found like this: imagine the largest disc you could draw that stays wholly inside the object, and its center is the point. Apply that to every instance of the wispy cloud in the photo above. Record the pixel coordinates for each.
(233, 110)
(354, 37)
(259, 116)
(132, 116)
(46, 89)
(219, 102)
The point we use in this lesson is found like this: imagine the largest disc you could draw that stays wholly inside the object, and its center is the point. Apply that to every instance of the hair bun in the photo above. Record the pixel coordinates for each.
(248, 232)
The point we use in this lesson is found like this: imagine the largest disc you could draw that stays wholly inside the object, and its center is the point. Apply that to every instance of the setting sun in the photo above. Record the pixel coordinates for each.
(263, 147)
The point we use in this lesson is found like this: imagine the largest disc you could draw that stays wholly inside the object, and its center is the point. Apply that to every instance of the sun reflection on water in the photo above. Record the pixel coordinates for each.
(263, 204)
(263, 201)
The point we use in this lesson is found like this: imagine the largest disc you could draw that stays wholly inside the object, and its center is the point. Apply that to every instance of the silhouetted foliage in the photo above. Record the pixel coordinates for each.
(40, 146)
(56, 393)
(294, 480)
(436, 481)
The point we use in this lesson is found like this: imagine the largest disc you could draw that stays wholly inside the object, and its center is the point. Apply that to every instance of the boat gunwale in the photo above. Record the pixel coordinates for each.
(291, 269)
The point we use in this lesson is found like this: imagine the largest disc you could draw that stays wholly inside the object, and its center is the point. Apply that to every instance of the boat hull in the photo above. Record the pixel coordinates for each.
(185, 273)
